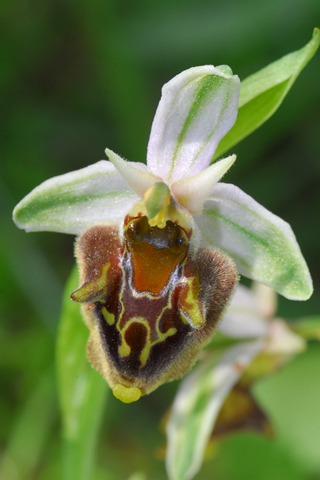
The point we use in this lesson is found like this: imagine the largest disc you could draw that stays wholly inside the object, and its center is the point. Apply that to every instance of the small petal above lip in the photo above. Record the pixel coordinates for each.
(197, 108)
(135, 174)
(191, 192)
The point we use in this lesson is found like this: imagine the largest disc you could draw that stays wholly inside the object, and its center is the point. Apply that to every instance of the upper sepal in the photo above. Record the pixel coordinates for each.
(197, 108)
(73, 202)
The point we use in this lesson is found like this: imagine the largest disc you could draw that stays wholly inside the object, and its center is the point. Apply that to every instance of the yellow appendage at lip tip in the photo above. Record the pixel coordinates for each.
(126, 394)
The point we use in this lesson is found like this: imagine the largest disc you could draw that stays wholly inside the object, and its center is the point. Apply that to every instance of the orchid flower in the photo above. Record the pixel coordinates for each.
(161, 244)
(265, 344)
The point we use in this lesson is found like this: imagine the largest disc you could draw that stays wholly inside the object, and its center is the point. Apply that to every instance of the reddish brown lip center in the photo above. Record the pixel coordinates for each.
(155, 253)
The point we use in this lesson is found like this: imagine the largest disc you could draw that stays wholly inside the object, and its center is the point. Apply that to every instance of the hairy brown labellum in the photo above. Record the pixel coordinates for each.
(150, 304)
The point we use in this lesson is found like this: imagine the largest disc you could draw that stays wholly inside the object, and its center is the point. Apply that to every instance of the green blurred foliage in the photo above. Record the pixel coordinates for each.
(79, 76)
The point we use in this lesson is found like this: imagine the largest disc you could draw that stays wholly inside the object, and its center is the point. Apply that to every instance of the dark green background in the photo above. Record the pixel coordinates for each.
(78, 76)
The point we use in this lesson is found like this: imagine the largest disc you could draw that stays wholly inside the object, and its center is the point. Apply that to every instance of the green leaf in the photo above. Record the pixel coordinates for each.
(138, 476)
(197, 405)
(262, 93)
(252, 457)
(307, 327)
(82, 391)
(28, 437)
(291, 399)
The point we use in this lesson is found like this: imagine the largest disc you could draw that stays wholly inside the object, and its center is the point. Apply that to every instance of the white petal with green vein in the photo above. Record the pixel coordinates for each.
(197, 405)
(73, 202)
(197, 108)
(262, 244)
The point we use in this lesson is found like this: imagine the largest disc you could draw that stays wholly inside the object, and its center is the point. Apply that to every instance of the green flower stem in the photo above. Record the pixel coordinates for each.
(82, 392)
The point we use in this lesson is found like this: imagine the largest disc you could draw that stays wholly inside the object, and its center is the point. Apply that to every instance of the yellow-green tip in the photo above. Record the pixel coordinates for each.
(126, 394)
(156, 198)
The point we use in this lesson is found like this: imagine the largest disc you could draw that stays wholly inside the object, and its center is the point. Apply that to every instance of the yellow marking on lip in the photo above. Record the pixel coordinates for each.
(109, 317)
(89, 290)
(146, 351)
(190, 309)
(125, 349)
(183, 318)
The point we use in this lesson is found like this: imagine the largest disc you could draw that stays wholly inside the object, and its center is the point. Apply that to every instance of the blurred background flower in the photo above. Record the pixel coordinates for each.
(216, 399)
